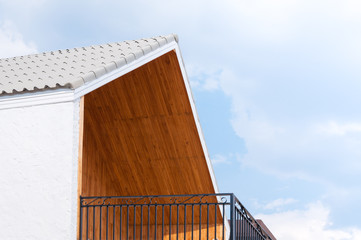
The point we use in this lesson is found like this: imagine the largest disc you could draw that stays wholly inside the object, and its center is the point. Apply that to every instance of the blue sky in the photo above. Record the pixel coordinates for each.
(276, 84)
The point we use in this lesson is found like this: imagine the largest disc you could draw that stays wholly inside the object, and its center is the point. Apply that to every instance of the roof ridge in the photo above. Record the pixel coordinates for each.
(73, 67)
(175, 36)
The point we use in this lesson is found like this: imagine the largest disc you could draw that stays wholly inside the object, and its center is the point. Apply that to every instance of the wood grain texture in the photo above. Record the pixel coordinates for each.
(140, 136)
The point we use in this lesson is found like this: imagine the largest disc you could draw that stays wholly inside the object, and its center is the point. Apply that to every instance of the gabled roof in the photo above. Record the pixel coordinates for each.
(72, 68)
(66, 75)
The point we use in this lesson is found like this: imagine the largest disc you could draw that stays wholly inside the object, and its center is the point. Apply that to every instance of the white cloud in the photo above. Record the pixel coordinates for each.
(313, 222)
(220, 159)
(12, 43)
(312, 148)
(280, 202)
(21, 4)
(267, 21)
(276, 205)
(203, 80)
(340, 129)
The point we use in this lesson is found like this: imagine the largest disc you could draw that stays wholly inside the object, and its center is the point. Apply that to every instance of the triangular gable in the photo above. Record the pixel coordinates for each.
(88, 69)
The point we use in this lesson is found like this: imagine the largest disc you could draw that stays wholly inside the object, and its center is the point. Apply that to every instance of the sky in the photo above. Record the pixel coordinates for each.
(276, 84)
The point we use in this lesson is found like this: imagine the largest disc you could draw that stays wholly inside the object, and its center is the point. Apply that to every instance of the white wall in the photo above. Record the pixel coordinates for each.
(38, 172)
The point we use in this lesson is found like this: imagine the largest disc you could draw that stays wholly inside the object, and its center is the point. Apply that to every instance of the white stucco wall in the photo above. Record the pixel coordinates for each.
(38, 172)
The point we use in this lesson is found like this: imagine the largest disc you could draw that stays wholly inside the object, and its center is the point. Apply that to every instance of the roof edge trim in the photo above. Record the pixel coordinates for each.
(50, 96)
(196, 119)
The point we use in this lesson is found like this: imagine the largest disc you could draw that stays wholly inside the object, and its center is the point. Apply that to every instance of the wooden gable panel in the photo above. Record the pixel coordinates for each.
(140, 136)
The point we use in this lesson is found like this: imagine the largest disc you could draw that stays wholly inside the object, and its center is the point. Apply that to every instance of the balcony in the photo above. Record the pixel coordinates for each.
(173, 217)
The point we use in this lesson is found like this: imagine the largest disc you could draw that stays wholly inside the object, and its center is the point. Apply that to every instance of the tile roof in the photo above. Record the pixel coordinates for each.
(72, 68)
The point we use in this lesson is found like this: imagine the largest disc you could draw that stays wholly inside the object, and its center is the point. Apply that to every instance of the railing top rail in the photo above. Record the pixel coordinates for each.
(181, 199)
(157, 196)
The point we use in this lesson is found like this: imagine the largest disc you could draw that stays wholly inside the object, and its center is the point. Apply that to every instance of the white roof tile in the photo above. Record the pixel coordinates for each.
(71, 68)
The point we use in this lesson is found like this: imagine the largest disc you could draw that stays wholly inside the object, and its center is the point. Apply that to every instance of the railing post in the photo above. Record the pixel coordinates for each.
(232, 218)
(81, 221)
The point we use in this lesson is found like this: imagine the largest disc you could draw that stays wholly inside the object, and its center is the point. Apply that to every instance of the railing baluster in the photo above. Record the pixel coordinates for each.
(245, 226)
(163, 222)
(134, 222)
(113, 223)
(177, 220)
(127, 222)
(248, 227)
(215, 220)
(94, 222)
(155, 221)
(200, 221)
(120, 221)
(185, 221)
(237, 224)
(242, 225)
(107, 224)
(224, 219)
(170, 222)
(192, 219)
(252, 233)
(100, 223)
(141, 222)
(207, 221)
(148, 232)
(87, 223)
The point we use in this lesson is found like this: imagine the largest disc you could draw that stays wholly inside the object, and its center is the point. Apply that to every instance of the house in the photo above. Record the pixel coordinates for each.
(104, 142)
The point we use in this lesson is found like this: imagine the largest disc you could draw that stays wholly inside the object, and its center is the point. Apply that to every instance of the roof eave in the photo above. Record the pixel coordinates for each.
(58, 95)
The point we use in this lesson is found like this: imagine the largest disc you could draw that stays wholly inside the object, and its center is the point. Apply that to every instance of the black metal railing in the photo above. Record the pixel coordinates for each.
(197, 216)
